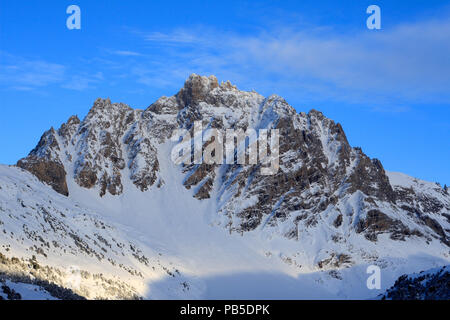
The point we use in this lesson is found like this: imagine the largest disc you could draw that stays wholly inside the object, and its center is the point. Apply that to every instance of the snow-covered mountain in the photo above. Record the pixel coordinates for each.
(101, 198)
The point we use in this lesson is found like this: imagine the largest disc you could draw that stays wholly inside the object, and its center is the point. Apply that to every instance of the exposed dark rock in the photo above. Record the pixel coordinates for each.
(196, 90)
(86, 177)
(335, 261)
(429, 285)
(338, 222)
(50, 172)
(370, 178)
(376, 222)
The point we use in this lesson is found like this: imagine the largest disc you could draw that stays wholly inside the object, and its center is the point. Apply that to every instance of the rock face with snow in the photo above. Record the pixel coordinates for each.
(319, 170)
(45, 164)
(431, 284)
(329, 198)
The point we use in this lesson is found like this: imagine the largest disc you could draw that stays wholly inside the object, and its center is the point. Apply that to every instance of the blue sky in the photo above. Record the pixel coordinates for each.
(389, 88)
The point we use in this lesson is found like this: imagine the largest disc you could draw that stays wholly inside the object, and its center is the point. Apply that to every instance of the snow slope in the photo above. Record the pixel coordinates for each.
(180, 234)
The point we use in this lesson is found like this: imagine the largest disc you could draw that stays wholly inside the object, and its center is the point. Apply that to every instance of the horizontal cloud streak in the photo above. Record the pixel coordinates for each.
(126, 53)
(28, 74)
(20, 74)
(402, 65)
(409, 62)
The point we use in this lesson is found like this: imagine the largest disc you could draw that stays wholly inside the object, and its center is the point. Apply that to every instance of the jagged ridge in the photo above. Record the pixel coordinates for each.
(319, 171)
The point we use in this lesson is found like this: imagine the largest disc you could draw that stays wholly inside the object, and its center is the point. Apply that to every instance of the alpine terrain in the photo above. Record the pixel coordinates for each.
(98, 209)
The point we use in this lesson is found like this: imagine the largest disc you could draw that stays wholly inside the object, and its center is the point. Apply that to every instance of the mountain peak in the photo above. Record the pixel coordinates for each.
(105, 107)
(199, 79)
(197, 88)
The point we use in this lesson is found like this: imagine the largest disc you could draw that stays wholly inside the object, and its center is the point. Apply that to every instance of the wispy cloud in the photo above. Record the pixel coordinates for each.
(22, 74)
(408, 63)
(178, 36)
(127, 53)
(81, 82)
(402, 65)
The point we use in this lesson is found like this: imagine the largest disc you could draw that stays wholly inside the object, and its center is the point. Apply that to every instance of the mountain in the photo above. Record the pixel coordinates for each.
(104, 194)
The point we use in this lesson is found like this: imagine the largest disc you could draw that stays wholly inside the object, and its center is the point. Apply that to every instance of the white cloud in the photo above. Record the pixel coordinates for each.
(20, 74)
(82, 82)
(401, 65)
(178, 36)
(408, 63)
(127, 53)
(23, 74)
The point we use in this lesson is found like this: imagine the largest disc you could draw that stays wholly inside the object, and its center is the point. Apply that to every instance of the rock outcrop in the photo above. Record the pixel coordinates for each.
(432, 284)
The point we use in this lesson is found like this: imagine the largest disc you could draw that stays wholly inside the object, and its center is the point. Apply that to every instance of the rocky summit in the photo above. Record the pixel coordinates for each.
(327, 213)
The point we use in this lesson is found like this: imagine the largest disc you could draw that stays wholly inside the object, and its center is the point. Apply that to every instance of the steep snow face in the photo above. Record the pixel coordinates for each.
(328, 208)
